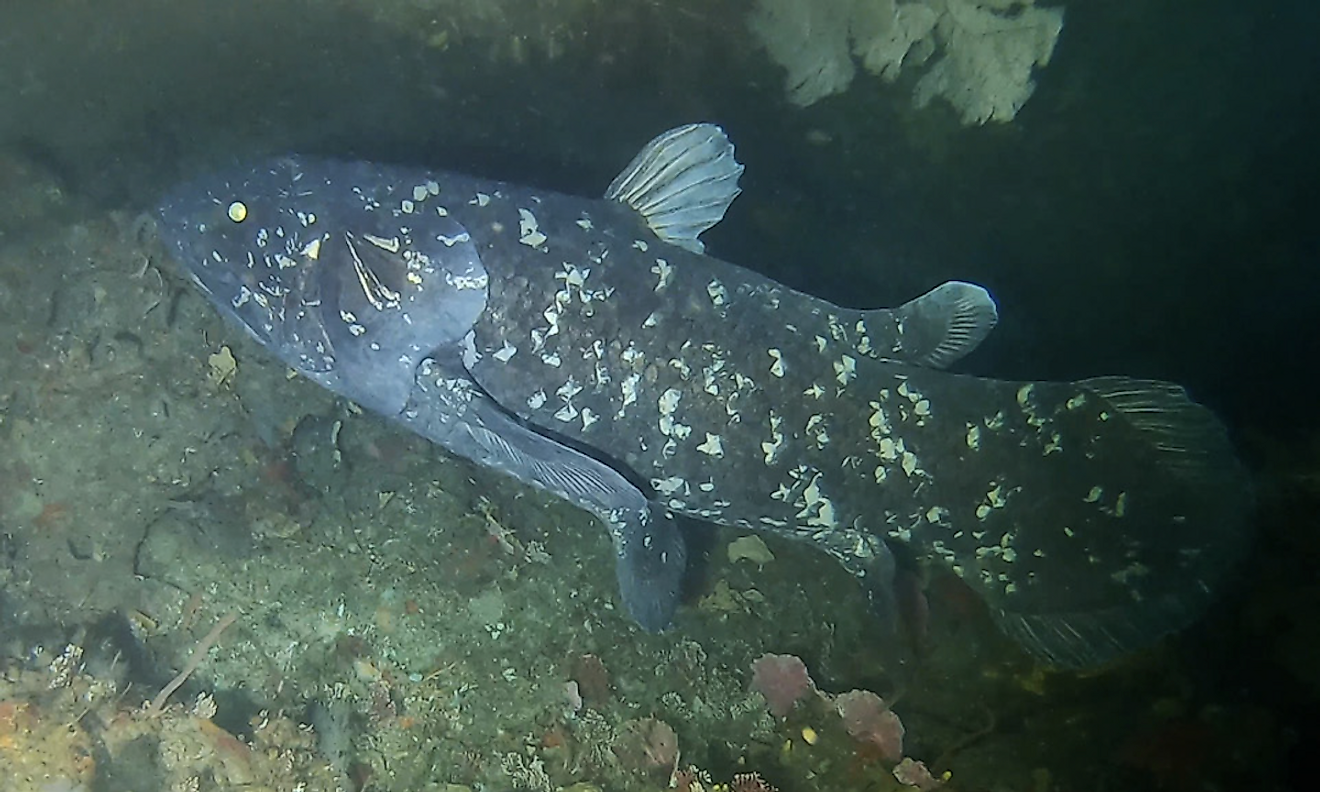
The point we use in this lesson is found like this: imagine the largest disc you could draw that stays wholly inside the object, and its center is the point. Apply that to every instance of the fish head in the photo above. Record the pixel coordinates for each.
(220, 225)
(317, 262)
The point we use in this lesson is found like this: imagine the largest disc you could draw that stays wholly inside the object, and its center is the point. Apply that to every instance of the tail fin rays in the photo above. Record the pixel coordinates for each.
(1187, 437)
(1183, 534)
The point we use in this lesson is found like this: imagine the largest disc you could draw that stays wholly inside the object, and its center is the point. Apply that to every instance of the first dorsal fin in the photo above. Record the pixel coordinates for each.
(681, 183)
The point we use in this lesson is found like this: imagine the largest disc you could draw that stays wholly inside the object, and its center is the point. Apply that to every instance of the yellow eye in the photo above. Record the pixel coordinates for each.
(237, 212)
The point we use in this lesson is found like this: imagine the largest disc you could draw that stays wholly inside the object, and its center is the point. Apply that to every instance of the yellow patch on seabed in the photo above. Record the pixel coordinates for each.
(750, 548)
(223, 368)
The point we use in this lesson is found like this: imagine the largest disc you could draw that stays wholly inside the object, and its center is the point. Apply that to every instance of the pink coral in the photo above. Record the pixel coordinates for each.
(869, 719)
(783, 680)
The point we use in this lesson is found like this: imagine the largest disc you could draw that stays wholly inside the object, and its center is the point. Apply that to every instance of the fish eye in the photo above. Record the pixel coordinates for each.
(237, 211)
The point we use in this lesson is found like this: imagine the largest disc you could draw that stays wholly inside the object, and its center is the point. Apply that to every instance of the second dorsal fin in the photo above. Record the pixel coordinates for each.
(944, 324)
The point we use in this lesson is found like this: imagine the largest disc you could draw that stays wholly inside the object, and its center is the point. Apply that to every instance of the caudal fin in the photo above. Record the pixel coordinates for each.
(1121, 512)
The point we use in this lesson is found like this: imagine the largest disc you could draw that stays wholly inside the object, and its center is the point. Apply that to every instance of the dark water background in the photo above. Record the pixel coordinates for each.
(1151, 212)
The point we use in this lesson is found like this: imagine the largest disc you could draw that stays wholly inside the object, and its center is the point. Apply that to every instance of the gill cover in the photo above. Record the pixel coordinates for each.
(326, 271)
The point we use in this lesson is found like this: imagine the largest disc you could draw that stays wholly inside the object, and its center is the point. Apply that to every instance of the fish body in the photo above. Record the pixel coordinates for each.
(590, 347)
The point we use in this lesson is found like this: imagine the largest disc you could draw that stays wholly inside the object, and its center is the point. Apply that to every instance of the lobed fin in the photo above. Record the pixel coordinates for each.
(1146, 570)
(946, 323)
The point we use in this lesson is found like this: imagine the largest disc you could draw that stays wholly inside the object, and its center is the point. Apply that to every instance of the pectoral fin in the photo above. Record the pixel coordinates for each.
(450, 409)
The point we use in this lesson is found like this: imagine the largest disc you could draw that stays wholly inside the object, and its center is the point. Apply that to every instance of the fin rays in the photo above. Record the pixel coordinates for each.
(681, 183)
(1195, 483)
(946, 323)
(1186, 436)
(573, 481)
(1086, 640)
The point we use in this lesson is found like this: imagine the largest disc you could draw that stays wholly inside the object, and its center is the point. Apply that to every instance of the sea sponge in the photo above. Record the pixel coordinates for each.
(981, 53)
(990, 53)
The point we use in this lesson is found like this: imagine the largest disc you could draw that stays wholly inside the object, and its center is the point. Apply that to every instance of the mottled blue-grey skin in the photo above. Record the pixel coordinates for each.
(1093, 517)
